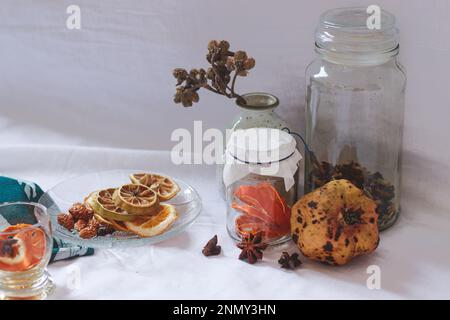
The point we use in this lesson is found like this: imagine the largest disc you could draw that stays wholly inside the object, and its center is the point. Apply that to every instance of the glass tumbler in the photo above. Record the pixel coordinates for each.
(25, 249)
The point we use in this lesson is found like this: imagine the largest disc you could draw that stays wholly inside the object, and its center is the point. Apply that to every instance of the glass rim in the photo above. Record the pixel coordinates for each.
(272, 101)
(23, 203)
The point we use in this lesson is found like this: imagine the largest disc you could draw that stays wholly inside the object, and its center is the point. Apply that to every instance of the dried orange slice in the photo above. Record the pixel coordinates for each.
(263, 209)
(154, 225)
(103, 205)
(137, 199)
(28, 248)
(165, 187)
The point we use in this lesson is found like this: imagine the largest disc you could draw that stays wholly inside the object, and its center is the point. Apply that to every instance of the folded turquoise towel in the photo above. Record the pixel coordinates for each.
(12, 190)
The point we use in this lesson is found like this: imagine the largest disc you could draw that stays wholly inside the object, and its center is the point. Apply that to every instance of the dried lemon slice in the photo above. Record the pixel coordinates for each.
(103, 204)
(137, 199)
(165, 187)
(154, 225)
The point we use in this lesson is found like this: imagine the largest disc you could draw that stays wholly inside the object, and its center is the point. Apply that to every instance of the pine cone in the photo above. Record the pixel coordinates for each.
(66, 221)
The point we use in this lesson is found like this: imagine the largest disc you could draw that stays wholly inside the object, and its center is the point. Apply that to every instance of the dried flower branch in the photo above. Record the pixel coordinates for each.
(219, 78)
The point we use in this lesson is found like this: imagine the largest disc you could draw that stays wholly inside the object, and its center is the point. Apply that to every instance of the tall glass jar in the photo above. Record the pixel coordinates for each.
(355, 107)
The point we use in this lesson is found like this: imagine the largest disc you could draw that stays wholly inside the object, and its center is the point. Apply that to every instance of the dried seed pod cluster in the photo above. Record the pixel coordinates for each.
(219, 78)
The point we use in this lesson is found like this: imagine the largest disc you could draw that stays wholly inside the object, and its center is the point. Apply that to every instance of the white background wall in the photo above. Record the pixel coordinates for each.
(110, 84)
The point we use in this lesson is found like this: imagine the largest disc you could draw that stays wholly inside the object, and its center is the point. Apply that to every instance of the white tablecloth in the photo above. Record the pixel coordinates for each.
(413, 255)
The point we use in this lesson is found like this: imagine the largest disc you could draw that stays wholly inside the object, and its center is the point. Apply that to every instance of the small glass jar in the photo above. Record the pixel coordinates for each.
(260, 176)
(355, 107)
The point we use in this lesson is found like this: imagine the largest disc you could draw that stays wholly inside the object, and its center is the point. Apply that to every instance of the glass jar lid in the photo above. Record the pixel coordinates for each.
(348, 31)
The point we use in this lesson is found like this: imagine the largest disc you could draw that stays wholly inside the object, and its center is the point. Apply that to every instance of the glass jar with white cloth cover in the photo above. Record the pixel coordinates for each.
(260, 177)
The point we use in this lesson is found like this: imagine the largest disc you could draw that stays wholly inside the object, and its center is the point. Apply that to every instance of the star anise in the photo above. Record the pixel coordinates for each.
(219, 78)
(7, 247)
(290, 262)
(211, 248)
(252, 247)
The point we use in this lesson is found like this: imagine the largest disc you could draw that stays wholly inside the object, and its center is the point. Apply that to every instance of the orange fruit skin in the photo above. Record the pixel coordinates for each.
(34, 242)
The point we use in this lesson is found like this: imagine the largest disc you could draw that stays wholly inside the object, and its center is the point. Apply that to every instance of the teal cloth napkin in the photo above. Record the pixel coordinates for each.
(12, 190)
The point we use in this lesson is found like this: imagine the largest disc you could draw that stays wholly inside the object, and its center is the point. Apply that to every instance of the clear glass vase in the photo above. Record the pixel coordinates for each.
(355, 107)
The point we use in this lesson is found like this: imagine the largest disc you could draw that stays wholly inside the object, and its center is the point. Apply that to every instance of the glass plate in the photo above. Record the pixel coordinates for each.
(61, 197)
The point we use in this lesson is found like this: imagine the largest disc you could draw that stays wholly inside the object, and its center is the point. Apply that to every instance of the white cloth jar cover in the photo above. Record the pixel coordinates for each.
(262, 151)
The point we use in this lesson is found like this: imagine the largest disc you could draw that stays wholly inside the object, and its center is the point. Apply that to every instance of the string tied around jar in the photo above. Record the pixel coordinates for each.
(308, 151)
